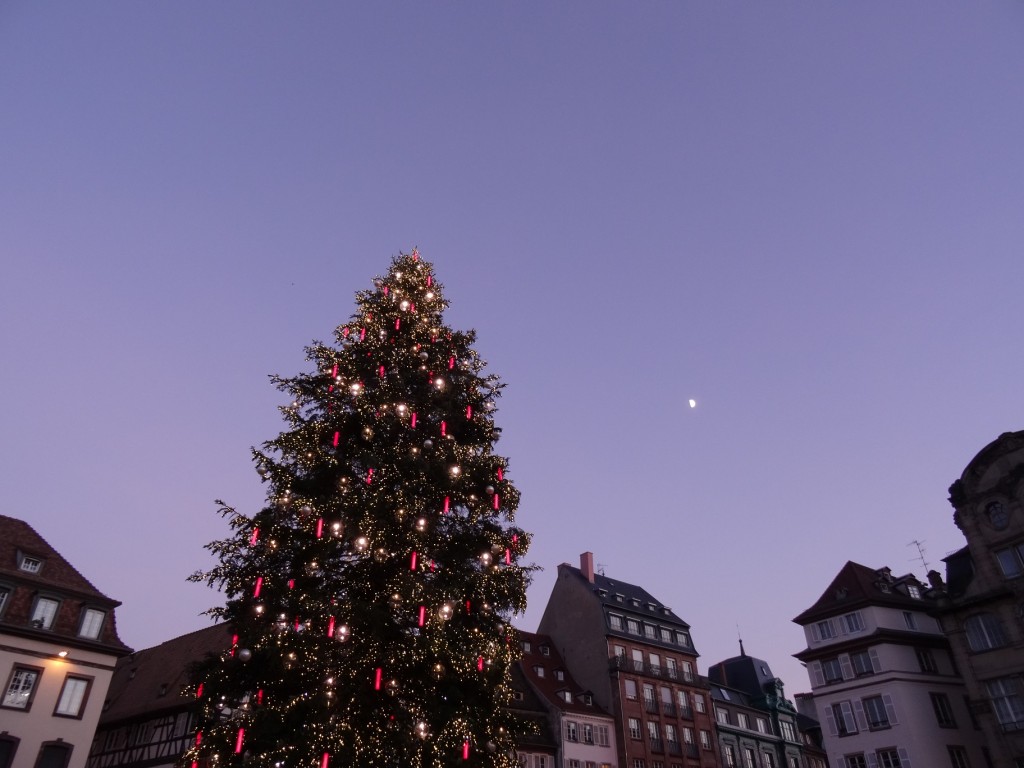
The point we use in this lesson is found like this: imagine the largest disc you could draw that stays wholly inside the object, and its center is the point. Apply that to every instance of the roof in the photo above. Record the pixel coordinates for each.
(545, 656)
(532, 708)
(959, 571)
(856, 586)
(977, 477)
(744, 673)
(152, 680)
(18, 537)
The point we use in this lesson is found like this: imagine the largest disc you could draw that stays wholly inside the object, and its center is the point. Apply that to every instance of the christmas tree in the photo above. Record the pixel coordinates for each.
(370, 598)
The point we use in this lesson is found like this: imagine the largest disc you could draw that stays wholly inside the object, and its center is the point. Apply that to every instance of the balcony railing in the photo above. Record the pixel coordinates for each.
(650, 705)
(691, 750)
(651, 670)
(657, 745)
(686, 713)
(668, 708)
(674, 747)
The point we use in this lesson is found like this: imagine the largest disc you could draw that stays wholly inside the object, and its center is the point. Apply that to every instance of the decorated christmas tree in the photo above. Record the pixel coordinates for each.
(369, 600)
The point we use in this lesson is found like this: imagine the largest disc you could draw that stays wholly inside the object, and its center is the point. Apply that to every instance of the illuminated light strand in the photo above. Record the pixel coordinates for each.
(377, 678)
(255, 537)
(259, 586)
(320, 528)
(330, 627)
(239, 740)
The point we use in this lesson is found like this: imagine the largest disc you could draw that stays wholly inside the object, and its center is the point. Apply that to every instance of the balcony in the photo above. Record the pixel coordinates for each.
(657, 745)
(691, 750)
(621, 663)
(686, 713)
(650, 705)
(668, 708)
(674, 748)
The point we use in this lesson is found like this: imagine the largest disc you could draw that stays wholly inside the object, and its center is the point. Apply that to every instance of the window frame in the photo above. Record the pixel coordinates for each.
(15, 669)
(86, 612)
(36, 602)
(874, 706)
(985, 629)
(68, 749)
(943, 709)
(83, 701)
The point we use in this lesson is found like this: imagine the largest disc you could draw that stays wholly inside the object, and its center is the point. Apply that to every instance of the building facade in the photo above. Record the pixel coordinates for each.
(757, 725)
(58, 647)
(638, 660)
(586, 732)
(883, 680)
(981, 603)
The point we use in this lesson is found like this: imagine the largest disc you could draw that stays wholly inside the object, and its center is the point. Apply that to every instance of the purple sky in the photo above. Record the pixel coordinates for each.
(807, 216)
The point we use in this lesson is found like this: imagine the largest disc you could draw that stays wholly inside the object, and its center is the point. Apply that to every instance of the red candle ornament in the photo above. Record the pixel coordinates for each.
(199, 738)
(369, 476)
(255, 537)
(423, 615)
(398, 323)
(337, 438)
(412, 561)
(413, 420)
(469, 411)
(447, 504)
(444, 429)
(324, 760)
(501, 475)
(497, 501)
(330, 627)
(259, 696)
(199, 691)
(465, 750)
(480, 664)
(238, 741)
(362, 334)
(376, 681)
(451, 363)
(320, 528)
(259, 586)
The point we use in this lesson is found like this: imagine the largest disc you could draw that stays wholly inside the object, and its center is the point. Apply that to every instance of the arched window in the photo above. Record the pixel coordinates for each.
(984, 632)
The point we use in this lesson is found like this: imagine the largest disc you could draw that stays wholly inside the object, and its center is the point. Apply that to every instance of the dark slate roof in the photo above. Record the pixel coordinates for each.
(744, 673)
(532, 708)
(151, 681)
(548, 687)
(57, 573)
(856, 586)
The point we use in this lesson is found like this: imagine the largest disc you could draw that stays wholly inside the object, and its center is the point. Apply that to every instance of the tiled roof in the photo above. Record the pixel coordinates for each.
(856, 586)
(57, 573)
(548, 686)
(634, 599)
(152, 680)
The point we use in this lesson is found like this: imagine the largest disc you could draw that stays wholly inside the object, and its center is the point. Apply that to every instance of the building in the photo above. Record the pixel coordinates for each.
(756, 724)
(883, 680)
(58, 647)
(587, 733)
(539, 749)
(148, 720)
(981, 603)
(638, 660)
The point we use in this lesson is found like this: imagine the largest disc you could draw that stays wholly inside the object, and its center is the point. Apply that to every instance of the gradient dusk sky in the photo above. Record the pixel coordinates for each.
(807, 216)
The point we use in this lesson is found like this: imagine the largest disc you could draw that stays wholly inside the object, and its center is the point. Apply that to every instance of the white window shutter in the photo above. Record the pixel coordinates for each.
(841, 622)
(817, 677)
(890, 710)
(876, 665)
(904, 758)
(872, 760)
(851, 724)
(830, 718)
(862, 722)
(814, 633)
(846, 666)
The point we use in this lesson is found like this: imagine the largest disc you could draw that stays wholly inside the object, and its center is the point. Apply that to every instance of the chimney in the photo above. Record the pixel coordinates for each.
(587, 566)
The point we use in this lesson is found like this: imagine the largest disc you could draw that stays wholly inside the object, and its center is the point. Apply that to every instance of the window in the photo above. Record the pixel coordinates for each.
(5, 592)
(926, 660)
(861, 661)
(856, 761)
(671, 734)
(73, 696)
(572, 732)
(943, 710)
(588, 733)
(687, 735)
(620, 651)
(526, 646)
(742, 721)
(92, 623)
(698, 702)
(634, 728)
(984, 632)
(615, 621)
(54, 754)
(648, 694)
(683, 639)
(655, 661)
(729, 753)
(687, 671)
(650, 632)
(538, 671)
(633, 626)
(1011, 561)
(762, 725)
(631, 690)
(559, 674)
(545, 650)
(666, 635)
(874, 711)
(670, 668)
(888, 758)
(853, 622)
(705, 739)
(958, 757)
(913, 591)
(565, 696)
(1007, 701)
(602, 736)
(769, 760)
(21, 687)
(30, 564)
(832, 670)
(722, 715)
(788, 731)
(842, 716)
(749, 761)
(684, 703)
(652, 732)
(570, 763)
(910, 620)
(825, 630)
(638, 762)
(725, 694)
(8, 746)
(44, 612)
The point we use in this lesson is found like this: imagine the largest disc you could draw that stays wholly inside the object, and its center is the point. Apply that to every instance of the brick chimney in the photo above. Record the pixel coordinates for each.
(587, 566)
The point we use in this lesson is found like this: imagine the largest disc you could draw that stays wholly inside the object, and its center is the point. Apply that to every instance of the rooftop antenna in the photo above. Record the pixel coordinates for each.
(920, 553)
(740, 637)
(600, 568)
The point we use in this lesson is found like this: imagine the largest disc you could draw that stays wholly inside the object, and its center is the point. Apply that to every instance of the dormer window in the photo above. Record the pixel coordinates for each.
(588, 699)
(30, 564)
(44, 612)
(619, 598)
(92, 623)
(602, 592)
(566, 696)
(526, 646)
(559, 674)
(913, 591)
(538, 671)
(652, 607)
(667, 611)
(545, 650)
(635, 602)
